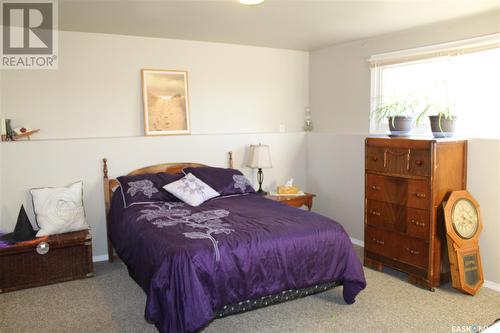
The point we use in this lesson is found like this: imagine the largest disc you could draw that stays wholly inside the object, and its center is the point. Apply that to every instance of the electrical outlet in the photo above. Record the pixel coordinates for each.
(282, 128)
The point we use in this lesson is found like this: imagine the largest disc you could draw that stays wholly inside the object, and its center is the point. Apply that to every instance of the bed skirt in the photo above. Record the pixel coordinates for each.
(284, 296)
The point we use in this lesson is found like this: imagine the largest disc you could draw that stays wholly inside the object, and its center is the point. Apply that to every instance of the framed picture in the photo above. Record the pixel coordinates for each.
(166, 105)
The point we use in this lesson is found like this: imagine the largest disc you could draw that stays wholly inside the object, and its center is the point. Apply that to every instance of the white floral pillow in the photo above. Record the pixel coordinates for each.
(191, 190)
(59, 209)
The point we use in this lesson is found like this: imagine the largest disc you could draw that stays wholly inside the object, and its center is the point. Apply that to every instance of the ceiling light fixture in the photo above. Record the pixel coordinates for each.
(250, 2)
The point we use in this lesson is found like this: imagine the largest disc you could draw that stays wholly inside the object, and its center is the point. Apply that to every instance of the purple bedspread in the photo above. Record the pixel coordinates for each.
(4, 244)
(191, 261)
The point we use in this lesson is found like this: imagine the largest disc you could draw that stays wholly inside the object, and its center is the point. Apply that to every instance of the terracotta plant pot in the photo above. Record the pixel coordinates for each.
(447, 128)
(401, 126)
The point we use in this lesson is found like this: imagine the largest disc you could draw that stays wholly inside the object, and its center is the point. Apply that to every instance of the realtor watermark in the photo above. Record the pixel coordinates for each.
(468, 328)
(29, 34)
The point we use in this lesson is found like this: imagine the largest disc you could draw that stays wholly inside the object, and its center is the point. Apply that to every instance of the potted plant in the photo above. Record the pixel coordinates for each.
(442, 122)
(400, 115)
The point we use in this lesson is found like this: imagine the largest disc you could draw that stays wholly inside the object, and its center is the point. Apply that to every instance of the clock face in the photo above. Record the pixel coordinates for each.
(464, 218)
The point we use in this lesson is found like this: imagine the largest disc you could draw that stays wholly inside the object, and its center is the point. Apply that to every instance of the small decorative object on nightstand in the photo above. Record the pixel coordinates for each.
(304, 199)
(259, 158)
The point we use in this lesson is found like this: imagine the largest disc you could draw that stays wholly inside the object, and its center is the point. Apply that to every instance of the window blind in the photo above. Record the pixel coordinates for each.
(435, 51)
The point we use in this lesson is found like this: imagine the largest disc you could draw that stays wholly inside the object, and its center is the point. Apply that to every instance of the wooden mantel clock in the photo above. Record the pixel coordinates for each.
(463, 226)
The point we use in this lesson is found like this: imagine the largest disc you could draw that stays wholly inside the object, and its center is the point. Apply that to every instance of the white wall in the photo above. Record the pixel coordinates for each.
(340, 74)
(340, 104)
(96, 92)
(91, 107)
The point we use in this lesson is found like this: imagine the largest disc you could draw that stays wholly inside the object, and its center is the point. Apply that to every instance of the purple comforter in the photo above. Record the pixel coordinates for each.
(191, 261)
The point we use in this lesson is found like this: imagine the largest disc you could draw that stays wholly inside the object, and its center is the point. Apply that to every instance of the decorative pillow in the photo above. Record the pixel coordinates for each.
(147, 188)
(191, 190)
(224, 181)
(59, 209)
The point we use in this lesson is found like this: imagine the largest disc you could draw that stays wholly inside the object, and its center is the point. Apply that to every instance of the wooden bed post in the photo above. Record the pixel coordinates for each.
(231, 160)
(107, 205)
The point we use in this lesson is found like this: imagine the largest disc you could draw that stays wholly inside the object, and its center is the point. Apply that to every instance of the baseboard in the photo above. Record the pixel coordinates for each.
(491, 285)
(103, 257)
(357, 242)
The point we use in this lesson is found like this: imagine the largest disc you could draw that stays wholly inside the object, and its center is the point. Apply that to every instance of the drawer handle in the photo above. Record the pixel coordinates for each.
(379, 242)
(417, 223)
(414, 252)
(402, 153)
(376, 188)
(42, 248)
(420, 195)
(374, 158)
(419, 162)
(375, 212)
(397, 153)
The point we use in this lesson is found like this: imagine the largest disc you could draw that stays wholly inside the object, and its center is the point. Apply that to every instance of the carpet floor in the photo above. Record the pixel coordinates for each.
(112, 302)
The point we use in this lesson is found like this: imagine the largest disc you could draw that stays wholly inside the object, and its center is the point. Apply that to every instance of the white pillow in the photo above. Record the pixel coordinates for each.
(59, 209)
(191, 190)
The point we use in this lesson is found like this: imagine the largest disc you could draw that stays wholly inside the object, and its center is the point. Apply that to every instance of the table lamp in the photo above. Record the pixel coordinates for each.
(259, 158)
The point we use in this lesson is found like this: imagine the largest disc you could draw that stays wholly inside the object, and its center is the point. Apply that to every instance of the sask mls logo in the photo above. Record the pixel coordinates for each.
(29, 34)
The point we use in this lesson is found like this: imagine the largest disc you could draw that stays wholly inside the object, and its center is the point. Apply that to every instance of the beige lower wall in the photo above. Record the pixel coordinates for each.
(483, 182)
(336, 174)
(330, 165)
(60, 162)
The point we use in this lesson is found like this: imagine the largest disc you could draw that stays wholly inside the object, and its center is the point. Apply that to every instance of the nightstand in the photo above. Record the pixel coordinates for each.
(305, 199)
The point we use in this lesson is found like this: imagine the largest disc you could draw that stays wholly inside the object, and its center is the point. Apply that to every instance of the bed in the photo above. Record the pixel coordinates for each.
(230, 254)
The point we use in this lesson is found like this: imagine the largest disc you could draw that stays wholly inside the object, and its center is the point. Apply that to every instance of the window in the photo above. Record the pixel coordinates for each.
(466, 79)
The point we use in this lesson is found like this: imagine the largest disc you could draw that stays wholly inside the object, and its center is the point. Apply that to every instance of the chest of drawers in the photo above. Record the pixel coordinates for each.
(406, 180)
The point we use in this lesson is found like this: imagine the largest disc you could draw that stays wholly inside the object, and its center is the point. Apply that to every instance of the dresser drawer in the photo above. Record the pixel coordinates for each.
(420, 163)
(388, 189)
(400, 191)
(417, 223)
(386, 215)
(398, 161)
(412, 251)
(378, 241)
(418, 194)
(374, 159)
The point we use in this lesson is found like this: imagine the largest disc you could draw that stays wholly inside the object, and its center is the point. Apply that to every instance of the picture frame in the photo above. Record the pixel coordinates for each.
(166, 102)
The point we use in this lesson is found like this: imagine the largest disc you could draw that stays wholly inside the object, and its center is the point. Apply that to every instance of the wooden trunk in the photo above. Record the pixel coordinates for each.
(406, 181)
(69, 258)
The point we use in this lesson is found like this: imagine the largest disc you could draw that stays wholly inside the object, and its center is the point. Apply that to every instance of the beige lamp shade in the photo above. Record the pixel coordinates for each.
(259, 157)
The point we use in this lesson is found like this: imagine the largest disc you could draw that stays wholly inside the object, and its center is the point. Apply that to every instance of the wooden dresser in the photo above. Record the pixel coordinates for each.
(406, 180)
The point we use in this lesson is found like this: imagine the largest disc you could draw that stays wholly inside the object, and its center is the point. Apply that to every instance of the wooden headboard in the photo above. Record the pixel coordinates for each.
(111, 184)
